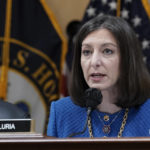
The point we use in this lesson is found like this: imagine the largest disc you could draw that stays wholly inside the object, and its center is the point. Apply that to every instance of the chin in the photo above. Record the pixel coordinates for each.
(96, 86)
(100, 87)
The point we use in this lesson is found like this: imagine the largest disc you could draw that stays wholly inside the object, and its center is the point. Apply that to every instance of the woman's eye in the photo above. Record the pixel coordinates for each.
(108, 51)
(86, 52)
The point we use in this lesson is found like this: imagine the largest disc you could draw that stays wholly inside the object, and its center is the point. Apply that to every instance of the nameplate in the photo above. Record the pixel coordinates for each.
(16, 125)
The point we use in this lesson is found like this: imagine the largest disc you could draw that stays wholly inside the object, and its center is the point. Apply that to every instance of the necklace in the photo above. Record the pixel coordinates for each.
(121, 128)
(106, 128)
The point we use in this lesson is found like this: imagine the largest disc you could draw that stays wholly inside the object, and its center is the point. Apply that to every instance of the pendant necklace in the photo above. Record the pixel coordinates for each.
(106, 128)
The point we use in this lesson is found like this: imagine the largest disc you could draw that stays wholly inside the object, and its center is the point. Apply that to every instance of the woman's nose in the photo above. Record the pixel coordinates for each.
(96, 60)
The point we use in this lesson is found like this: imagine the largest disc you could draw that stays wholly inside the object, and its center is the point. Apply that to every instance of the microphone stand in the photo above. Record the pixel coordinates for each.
(92, 98)
(89, 110)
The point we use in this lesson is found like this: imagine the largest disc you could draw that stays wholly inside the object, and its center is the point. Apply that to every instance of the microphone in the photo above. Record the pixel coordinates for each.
(92, 98)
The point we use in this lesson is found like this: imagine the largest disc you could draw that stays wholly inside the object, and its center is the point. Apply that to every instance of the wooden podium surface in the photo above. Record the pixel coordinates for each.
(39, 142)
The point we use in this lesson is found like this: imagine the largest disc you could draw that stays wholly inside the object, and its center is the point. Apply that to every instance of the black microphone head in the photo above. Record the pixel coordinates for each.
(92, 97)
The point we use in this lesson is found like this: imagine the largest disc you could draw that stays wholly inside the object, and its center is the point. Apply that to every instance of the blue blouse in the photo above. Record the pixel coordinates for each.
(66, 118)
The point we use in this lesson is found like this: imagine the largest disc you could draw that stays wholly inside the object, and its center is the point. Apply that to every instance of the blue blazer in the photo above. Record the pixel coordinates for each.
(66, 118)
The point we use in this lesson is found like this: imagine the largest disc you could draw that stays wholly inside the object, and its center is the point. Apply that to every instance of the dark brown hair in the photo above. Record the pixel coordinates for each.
(134, 80)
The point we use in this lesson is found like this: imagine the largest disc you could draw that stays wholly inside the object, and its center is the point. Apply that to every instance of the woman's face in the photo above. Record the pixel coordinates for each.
(100, 59)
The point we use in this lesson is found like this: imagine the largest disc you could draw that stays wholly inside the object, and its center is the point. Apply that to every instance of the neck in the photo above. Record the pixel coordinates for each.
(107, 105)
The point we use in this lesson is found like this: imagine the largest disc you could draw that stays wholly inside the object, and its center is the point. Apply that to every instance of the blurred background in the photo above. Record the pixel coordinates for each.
(36, 46)
(67, 10)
